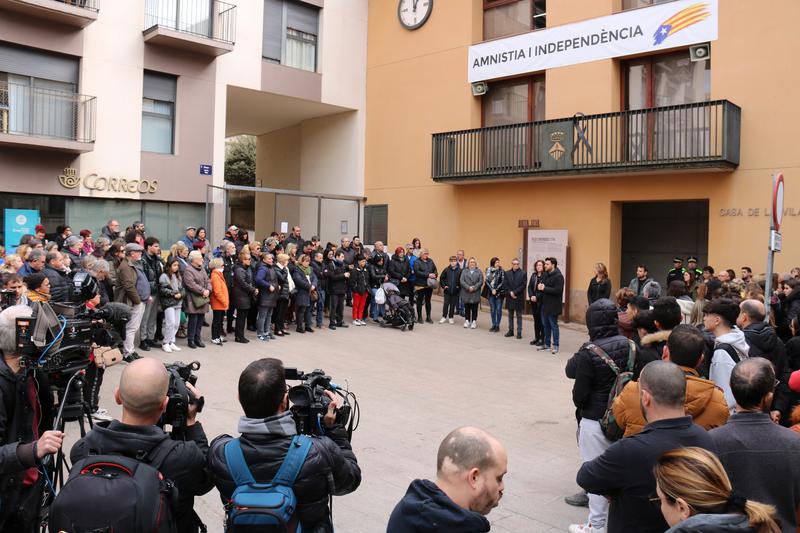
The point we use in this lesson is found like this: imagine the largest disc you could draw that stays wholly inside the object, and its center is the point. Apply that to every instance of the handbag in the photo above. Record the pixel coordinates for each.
(380, 296)
(314, 295)
(433, 283)
(199, 300)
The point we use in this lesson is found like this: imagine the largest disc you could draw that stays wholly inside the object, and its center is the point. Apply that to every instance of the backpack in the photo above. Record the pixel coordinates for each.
(704, 369)
(264, 507)
(116, 493)
(608, 424)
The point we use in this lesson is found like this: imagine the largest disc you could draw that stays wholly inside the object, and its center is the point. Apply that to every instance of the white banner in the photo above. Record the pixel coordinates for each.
(543, 243)
(659, 27)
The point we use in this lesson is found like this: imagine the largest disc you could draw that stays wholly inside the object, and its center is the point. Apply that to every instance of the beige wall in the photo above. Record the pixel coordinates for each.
(416, 85)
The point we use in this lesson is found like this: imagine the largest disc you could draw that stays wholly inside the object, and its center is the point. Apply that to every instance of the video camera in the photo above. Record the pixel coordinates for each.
(8, 297)
(180, 397)
(309, 403)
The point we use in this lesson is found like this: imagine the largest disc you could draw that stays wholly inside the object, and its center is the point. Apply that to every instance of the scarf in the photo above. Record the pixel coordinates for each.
(304, 270)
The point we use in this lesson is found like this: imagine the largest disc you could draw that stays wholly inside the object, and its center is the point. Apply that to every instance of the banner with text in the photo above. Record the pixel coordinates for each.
(659, 27)
(18, 222)
(544, 243)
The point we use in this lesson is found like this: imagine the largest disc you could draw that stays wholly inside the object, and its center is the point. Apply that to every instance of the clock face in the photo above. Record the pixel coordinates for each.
(414, 13)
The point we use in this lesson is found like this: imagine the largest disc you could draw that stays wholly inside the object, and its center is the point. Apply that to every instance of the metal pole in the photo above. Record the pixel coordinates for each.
(770, 260)
(358, 223)
(207, 222)
(225, 213)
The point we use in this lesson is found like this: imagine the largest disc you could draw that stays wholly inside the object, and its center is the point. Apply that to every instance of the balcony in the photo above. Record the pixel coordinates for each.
(77, 13)
(689, 137)
(34, 117)
(206, 27)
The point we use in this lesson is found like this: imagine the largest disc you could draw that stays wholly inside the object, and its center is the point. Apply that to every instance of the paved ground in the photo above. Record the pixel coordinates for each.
(414, 387)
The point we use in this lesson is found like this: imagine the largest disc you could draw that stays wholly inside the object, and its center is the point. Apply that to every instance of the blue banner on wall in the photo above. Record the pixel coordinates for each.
(18, 222)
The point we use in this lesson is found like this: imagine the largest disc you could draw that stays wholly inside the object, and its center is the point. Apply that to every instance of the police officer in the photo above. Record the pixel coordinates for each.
(677, 271)
(691, 266)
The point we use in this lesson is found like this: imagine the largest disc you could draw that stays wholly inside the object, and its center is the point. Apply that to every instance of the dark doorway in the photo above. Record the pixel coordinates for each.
(655, 232)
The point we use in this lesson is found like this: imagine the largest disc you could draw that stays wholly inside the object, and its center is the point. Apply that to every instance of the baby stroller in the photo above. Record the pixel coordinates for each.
(397, 311)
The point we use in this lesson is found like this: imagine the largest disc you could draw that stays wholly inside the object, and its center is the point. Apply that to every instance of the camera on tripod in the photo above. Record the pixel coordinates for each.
(180, 397)
(309, 403)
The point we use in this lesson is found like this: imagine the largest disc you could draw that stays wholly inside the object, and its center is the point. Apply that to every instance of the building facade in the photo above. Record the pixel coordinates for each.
(121, 109)
(645, 129)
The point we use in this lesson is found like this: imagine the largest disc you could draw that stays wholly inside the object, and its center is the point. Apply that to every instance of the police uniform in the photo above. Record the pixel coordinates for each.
(676, 274)
(698, 272)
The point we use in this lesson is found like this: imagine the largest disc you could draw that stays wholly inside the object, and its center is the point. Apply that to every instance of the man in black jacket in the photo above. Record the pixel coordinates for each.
(338, 277)
(552, 287)
(593, 381)
(153, 267)
(514, 284)
(764, 342)
(470, 467)
(25, 418)
(624, 472)
(59, 281)
(267, 430)
(142, 393)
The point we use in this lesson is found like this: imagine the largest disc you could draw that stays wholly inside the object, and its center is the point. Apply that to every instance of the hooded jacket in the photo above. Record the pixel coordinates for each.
(764, 342)
(184, 464)
(426, 509)
(704, 401)
(722, 364)
(651, 348)
(714, 523)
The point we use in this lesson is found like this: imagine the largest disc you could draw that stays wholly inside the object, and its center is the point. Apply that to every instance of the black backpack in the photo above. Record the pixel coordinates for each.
(704, 369)
(116, 493)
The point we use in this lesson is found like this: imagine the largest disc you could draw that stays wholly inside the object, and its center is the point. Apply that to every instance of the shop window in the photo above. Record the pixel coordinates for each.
(376, 223)
(502, 18)
(667, 80)
(290, 34)
(158, 113)
(51, 211)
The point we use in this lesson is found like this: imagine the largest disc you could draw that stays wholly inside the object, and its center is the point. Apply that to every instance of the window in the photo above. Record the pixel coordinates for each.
(376, 223)
(290, 34)
(510, 17)
(158, 113)
(633, 4)
(667, 80)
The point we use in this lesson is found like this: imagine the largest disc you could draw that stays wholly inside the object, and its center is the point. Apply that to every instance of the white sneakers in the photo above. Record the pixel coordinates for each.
(359, 323)
(216, 341)
(450, 320)
(466, 323)
(474, 324)
(443, 320)
(585, 528)
(174, 347)
(169, 348)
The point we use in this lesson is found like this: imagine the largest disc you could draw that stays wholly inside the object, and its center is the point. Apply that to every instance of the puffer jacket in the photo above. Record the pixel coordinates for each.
(265, 279)
(168, 288)
(704, 401)
(398, 269)
(593, 377)
(283, 280)
(359, 280)
(243, 287)
(377, 274)
(422, 269)
(59, 284)
(330, 468)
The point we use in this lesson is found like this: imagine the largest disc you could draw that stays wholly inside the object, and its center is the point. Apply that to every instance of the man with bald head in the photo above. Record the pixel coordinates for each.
(470, 467)
(761, 458)
(142, 393)
(764, 342)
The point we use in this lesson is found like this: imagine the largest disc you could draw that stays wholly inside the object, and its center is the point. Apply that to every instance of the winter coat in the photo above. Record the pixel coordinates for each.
(450, 280)
(153, 267)
(195, 279)
(412, 278)
(651, 348)
(228, 263)
(125, 288)
(337, 283)
(168, 287)
(303, 284)
(349, 254)
(359, 280)
(515, 281)
(637, 285)
(790, 307)
(593, 377)
(75, 258)
(494, 281)
(598, 290)
(184, 465)
(704, 401)
(426, 509)
(220, 298)
(320, 270)
(764, 342)
(59, 284)
(330, 466)
(714, 523)
(266, 278)
(553, 293)
(421, 271)
(687, 306)
(533, 288)
(398, 269)
(377, 274)
(243, 287)
(282, 274)
(722, 364)
(471, 282)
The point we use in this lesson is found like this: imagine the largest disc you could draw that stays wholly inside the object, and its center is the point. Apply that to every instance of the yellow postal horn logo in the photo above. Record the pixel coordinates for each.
(69, 179)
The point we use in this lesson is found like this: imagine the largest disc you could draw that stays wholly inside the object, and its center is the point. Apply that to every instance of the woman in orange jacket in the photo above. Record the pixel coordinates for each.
(219, 299)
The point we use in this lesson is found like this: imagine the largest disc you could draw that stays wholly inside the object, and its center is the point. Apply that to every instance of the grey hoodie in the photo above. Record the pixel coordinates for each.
(722, 364)
(712, 523)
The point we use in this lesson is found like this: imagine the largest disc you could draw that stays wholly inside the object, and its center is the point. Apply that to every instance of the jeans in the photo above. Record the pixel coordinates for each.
(424, 296)
(449, 307)
(359, 300)
(241, 322)
(550, 325)
(337, 308)
(375, 310)
(217, 323)
(320, 304)
(172, 318)
(302, 315)
(264, 320)
(511, 313)
(496, 310)
(137, 311)
(471, 311)
(195, 327)
(592, 444)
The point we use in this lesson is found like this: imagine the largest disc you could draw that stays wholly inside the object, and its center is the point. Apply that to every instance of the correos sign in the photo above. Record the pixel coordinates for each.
(659, 27)
(94, 182)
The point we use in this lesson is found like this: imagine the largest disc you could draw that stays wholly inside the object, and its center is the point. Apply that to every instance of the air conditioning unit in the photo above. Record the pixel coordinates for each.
(700, 52)
(480, 88)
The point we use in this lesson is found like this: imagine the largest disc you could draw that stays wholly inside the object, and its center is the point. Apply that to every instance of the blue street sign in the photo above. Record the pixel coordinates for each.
(206, 170)
(18, 222)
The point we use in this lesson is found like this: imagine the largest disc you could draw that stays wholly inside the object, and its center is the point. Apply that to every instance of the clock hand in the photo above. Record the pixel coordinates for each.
(415, 4)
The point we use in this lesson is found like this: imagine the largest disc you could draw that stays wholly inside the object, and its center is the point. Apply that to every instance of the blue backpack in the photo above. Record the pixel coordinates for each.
(264, 507)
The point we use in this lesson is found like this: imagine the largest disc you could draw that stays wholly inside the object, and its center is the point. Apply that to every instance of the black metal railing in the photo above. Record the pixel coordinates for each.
(91, 5)
(48, 113)
(698, 134)
(202, 18)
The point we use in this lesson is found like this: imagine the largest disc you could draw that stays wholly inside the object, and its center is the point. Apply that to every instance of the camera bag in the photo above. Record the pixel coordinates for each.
(264, 507)
(116, 493)
(608, 424)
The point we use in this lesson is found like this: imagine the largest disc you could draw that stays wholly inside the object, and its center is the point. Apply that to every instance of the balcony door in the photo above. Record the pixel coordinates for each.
(509, 108)
(671, 81)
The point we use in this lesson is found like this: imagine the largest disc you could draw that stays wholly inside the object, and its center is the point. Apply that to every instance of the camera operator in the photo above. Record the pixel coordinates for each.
(267, 429)
(25, 415)
(142, 393)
